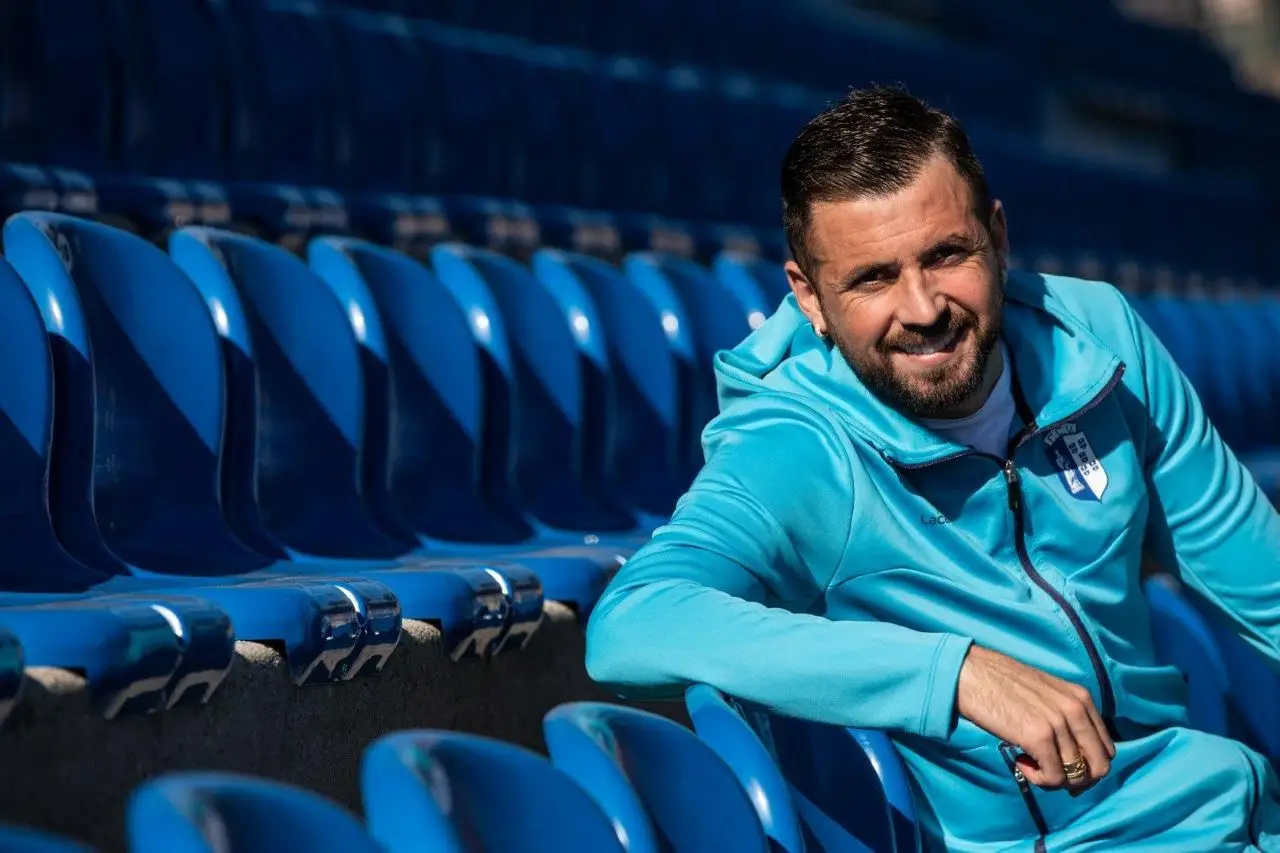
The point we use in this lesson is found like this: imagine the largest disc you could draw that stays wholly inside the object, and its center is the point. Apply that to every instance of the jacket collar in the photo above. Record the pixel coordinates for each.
(1061, 368)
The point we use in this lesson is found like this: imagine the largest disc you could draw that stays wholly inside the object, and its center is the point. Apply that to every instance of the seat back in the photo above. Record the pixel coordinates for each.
(210, 812)
(740, 272)
(444, 472)
(138, 415)
(663, 788)
(1183, 639)
(435, 790)
(648, 350)
(558, 363)
(291, 128)
(387, 99)
(32, 558)
(296, 393)
(176, 88)
(721, 312)
(720, 723)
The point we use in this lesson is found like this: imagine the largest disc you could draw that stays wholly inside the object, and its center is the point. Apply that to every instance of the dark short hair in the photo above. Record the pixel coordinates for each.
(874, 142)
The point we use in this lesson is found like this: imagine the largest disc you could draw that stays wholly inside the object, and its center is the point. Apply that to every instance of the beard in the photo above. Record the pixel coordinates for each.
(942, 391)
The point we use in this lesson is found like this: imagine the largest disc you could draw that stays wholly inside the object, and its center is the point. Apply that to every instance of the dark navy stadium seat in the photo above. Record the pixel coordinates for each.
(433, 790)
(231, 813)
(417, 353)
(1183, 639)
(176, 92)
(662, 787)
(554, 373)
(292, 485)
(720, 724)
(387, 102)
(58, 83)
(647, 374)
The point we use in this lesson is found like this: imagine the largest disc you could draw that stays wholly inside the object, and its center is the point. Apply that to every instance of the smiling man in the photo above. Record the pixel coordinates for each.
(924, 508)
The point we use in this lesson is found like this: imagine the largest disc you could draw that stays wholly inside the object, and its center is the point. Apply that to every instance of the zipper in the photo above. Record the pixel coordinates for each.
(1013, 482)
(1009, 753)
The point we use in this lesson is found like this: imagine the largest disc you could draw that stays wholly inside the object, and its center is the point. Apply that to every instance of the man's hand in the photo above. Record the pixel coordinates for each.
(1053, 721)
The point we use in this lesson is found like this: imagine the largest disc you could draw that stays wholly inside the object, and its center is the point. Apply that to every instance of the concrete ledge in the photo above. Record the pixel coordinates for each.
(70, 771)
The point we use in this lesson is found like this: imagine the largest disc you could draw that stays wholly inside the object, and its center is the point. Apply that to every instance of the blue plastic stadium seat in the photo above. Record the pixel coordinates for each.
(148, 207)
(662, 787)
(622, 161)
(507, 227)
(721, 725)
(16, 839)
(649, 355)
(741, 272)
(644, 232)
(476, 130)
(231, 813)
(1183, 639)
(26, 187)
(849, 789)
(148, 520)
(176, 102)
(388, 100)
(128, 649)
(424, 419)
(57, 53)
(552, 91)
(587, 232)
(284, 74)
(11, 675)
(433, 790)
(555, 375)
(722, 312)
(292, 482)
(411, 225)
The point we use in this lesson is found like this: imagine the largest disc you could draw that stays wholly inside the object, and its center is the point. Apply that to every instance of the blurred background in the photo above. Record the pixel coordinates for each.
(1133, 141)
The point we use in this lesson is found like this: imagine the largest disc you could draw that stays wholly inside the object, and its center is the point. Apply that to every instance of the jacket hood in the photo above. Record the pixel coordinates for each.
(1060, 366)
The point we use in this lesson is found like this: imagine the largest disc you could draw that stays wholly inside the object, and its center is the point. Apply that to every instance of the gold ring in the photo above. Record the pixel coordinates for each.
(1076, 770)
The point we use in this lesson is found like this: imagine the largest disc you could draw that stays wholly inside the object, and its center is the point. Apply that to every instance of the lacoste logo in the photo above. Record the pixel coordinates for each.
(932, 520)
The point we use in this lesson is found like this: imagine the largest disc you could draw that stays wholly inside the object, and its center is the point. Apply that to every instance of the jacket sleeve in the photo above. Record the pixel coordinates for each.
(718, 595)
(1209, 522)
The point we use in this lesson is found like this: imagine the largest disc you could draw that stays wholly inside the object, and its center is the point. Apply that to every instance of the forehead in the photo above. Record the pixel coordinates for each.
(887, 229)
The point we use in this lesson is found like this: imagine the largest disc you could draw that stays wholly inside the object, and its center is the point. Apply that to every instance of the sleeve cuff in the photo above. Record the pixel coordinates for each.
(937, 717)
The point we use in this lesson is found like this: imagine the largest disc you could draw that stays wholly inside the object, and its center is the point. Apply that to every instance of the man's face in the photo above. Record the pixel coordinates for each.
(909, 289)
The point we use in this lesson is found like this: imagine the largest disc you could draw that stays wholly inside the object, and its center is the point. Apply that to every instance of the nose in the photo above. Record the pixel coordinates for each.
(918, 304)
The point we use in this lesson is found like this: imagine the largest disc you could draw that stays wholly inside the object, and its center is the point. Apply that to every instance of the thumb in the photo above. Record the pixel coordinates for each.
(1031, 770)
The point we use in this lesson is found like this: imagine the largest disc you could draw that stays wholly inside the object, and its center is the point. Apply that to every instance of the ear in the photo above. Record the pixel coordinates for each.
(999, 227)
(806, 297)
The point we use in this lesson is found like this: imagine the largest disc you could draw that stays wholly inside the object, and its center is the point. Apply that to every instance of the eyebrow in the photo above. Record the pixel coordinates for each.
(963, 241)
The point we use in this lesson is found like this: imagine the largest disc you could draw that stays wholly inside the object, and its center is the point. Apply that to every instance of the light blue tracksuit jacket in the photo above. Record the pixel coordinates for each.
(834, 560)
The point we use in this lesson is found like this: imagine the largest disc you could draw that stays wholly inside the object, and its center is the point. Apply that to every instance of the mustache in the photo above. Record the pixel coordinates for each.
(918, 336)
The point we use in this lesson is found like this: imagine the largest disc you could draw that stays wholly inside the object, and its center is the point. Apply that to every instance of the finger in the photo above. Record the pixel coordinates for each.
(1101, 726)
(1042, 748)
(1089, 747)
(1092, 747)
(1071, 751)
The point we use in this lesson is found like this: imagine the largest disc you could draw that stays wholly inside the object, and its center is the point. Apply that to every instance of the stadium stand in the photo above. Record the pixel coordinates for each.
(348, 347)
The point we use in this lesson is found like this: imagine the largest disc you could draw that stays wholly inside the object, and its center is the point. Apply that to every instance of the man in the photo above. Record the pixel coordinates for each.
(924, 508)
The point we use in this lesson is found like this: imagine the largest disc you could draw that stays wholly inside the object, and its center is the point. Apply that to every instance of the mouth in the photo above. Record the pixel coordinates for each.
(931, 352)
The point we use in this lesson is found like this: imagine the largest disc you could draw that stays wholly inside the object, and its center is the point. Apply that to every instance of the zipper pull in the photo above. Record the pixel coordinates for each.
(1009, 753)
(1015, 485)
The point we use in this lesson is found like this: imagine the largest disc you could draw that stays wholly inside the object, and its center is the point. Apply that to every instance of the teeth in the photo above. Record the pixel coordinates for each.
(930, 348)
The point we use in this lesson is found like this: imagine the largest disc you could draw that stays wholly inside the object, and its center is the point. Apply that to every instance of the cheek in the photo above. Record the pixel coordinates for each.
(860, 327)
(975, 292)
